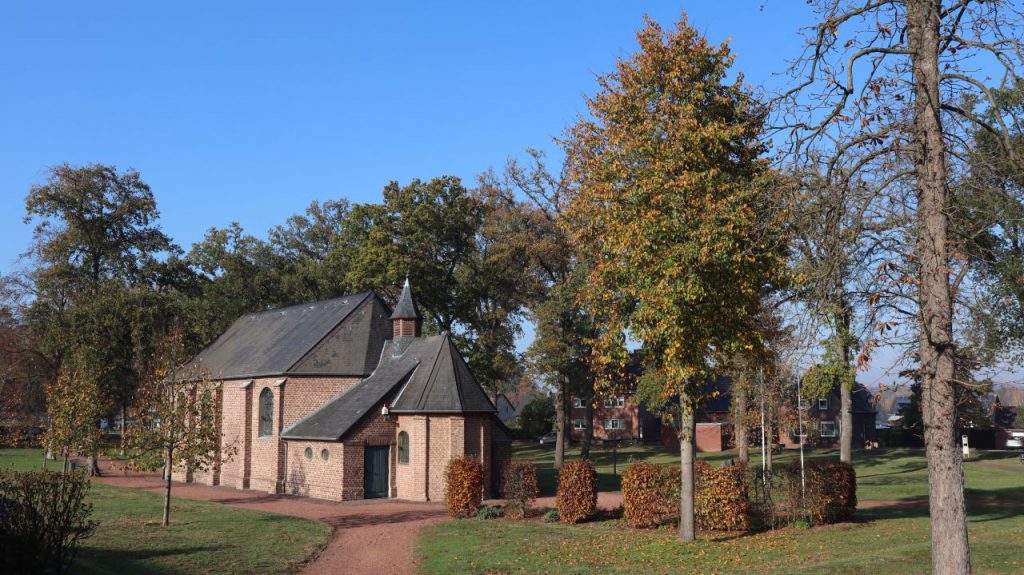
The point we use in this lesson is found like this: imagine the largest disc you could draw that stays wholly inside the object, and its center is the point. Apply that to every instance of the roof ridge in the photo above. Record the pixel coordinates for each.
(361, 294)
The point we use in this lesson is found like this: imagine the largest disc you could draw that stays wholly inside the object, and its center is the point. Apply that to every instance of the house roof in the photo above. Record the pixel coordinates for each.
(406, 306)
(421, 374)
(276, 342)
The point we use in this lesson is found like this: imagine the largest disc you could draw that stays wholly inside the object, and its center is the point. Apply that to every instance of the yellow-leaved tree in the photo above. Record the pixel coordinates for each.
(672, 201)
(175, 420)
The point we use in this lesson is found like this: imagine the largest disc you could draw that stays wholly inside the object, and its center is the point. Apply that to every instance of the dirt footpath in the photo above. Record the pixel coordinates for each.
(371, 536)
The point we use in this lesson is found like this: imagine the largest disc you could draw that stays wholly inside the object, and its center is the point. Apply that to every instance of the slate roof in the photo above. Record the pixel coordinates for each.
(406, 306)
(443, 384)
(273, 342)
(416, 374)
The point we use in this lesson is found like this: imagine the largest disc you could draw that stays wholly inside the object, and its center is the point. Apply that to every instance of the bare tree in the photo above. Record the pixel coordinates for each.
(887, 91)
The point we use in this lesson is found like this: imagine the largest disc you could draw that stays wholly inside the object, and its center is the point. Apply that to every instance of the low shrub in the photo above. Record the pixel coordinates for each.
(20, 437)
(550, 516)
(488, 512)
(650, 494)
(464, 486)
(43, 518)
(520, 485)
(721, 502)
(577, 491)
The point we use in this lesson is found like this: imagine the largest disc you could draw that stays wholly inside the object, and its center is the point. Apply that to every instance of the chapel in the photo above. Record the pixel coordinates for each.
(346, 399)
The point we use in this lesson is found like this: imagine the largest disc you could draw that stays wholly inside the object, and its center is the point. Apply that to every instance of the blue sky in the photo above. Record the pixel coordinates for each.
(247, 112)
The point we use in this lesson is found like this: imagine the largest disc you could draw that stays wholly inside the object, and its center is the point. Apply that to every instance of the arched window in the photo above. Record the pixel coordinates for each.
(266, 412)
(403, 447)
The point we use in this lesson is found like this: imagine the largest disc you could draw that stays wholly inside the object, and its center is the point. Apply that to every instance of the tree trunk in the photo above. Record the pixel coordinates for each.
(123, 415)
(588, 431)
(950, 551)
(687, 450)
(561, 400)
(845, 394)
(92, 462)
(167, 488)
(769, 439)
(740, 423)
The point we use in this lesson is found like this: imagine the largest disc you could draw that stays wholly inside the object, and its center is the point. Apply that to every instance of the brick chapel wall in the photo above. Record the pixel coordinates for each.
(373, 430)
(254, 462)
(315, 476)
(411, 478)
(210, 475)
(304, 395)
(235, 433)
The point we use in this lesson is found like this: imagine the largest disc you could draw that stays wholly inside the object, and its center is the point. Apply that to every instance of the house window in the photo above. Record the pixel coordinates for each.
(403, 448)
(309, 453)
(614, 424)
(823, 404)
(324, 454)
(828, 429)
(577, 403)
(615, 402)
(266, 412)
(579, 424)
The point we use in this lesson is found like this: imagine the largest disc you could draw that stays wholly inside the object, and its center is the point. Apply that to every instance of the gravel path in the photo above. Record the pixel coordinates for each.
(371, 536)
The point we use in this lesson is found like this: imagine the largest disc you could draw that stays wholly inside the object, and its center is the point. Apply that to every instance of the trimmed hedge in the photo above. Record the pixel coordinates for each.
(43, 518)
(829, 495)
(721, 502)
(577, 491)
(650, 496)
(520, 485)
(464, 486)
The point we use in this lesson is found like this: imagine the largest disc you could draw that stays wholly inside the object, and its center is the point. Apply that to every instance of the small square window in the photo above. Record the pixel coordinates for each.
(615, 424)
(577, 403)
(579, 424)
(828, 429)
(823, 404)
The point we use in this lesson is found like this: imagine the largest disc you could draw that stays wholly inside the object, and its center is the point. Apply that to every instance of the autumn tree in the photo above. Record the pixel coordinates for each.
(889, 92)
(451, 243)
(534, 199)
(75, 404)
(830, 224)
(671, 199)
(174, 417)
(96, 246)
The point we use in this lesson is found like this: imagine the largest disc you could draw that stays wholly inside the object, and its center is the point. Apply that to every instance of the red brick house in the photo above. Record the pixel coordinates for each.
(623, 418)
(345, 399)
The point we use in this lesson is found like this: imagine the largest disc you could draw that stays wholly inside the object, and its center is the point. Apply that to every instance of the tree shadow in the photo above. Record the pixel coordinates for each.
(102, 560)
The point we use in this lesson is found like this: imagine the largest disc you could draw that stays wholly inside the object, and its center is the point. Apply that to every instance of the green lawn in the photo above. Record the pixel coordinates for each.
(202, 538)
(884, 539)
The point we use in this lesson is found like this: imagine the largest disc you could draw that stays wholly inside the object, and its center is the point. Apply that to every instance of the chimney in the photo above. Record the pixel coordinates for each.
(406, 320)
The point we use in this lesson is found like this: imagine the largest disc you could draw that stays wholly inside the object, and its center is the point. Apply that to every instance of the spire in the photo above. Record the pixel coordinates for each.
(406, 318)
(406, 306)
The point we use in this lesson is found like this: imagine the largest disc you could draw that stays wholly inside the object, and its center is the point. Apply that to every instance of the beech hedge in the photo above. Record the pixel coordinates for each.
(577, 491)
(464, 486)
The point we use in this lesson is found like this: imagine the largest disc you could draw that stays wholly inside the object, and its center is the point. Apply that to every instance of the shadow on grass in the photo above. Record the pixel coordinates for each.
(101, 560)
(982, 506)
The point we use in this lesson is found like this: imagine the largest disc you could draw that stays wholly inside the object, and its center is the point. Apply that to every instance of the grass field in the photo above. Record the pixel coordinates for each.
(205, 538)
(889, 539)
